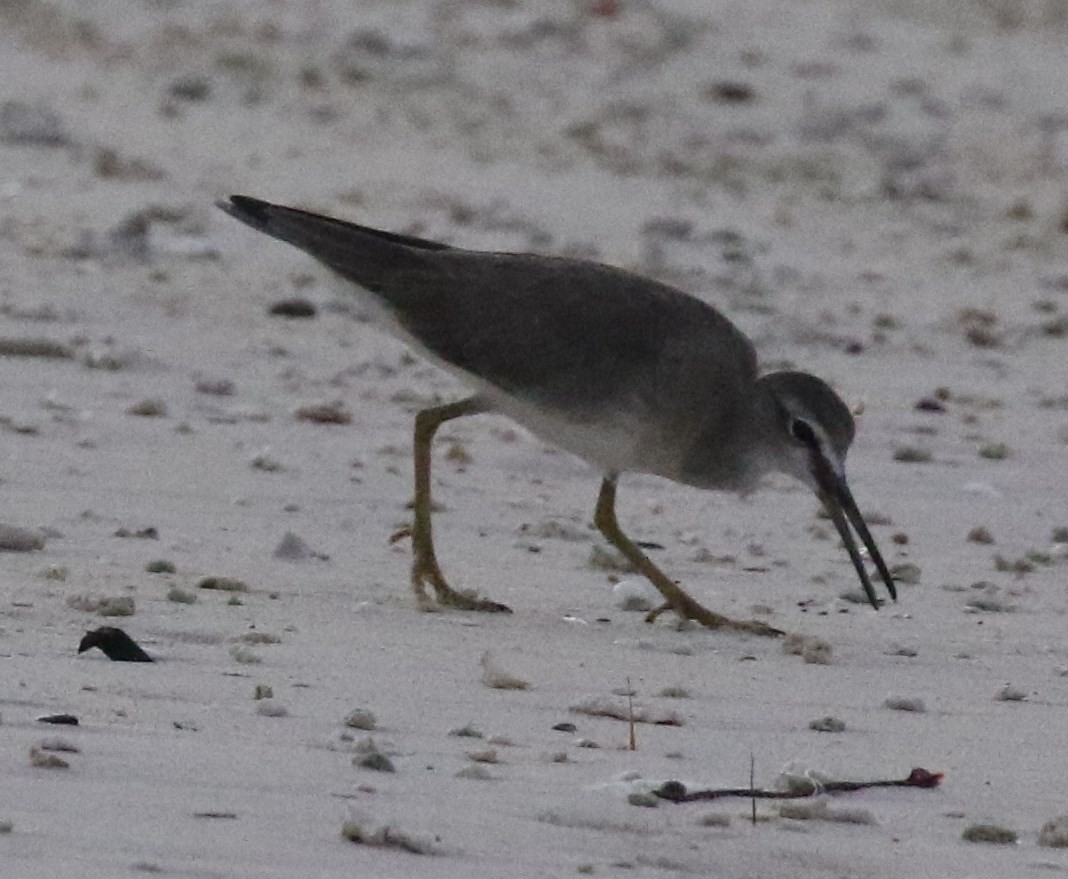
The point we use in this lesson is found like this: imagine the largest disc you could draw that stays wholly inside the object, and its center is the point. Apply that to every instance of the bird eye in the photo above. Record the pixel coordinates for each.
(802, 431)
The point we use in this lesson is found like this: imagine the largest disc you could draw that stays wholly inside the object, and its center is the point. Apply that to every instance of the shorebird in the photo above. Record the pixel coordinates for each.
(625, 372)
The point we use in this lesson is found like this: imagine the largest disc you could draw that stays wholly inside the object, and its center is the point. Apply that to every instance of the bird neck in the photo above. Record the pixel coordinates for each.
(733, 450)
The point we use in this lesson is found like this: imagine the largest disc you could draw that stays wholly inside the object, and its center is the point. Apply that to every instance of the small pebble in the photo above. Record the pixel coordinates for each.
(294, 307)
(646, 800)
(59, 719)
(375, 761)
(1009, 693)
(150, 408)
(223, 584)
(1054, 834)
(827, 724)
(361, 718)
(41, 760)
(991, 833)
(160, 566)
(16, 539)
(979, 534)
(497, 679)
(181, 596)
(334, 412)
(468, 731)
(905, 703)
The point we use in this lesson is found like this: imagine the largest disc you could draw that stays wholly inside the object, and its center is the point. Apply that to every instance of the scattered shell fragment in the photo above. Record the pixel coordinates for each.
(494, 677)
(181, 596)
(361, 718)
(333, 412)
(375, 761)
(223, 584)
(385, 836)
(57, 744)
(906, 573)
(1009, 693)
(811, 649)
(486, 755)
(293, 548)
(294, 307)
(58, 719)
(245, 656)
(105, 605)
(827, 724)
(148, 408)
(29, 347)
(635, 594)
(467, 731)
(42, 760)
(905, 703)
(16, 539)
(1054, 834)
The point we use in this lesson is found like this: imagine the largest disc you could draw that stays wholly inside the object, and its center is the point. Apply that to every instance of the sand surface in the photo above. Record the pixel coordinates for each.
(875, 192)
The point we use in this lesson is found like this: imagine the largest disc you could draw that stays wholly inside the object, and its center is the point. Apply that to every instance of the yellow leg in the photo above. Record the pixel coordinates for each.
(425, 570)
(675, 597)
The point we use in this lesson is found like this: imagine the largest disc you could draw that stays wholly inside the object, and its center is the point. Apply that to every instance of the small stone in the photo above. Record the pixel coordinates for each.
(980, 534)
(181, 596)
(16, 539)
(160, 566)
(262, 691)
(1054, 834)
(58, 719)
(643, 799)
(270, 708)
(1009, 693)
(148, 408)
(375, 761)
(223, 584)
(565, 726)
(827, 724)
(41, 760)
(905, 703)
(467, 731)
(991, 833)
(361, 718)
(334, 412)
(294, 307)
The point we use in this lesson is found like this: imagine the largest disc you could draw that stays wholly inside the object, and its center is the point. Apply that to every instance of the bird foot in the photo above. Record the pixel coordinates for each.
(688, 609)
(428, 574)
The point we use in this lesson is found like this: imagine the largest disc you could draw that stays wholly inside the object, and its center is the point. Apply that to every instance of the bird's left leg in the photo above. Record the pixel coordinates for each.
(675, 597)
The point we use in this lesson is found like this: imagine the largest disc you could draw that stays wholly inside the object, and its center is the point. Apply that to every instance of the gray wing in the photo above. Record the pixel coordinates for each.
(573, 334)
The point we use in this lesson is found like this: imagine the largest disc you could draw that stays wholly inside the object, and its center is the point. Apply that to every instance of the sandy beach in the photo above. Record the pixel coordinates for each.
(876, 193)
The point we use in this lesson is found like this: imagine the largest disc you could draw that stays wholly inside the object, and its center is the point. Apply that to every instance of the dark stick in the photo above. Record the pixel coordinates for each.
(676, 792)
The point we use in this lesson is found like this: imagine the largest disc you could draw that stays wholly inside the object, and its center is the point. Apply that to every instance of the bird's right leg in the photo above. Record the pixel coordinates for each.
(675, 597)
(425, 570)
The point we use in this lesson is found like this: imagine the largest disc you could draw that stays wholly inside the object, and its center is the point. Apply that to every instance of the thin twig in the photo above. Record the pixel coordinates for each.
(632, 741)
(752, 782)
(676, 792)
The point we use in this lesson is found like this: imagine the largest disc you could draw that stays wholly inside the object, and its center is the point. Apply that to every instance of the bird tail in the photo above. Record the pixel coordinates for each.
(370, 257)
